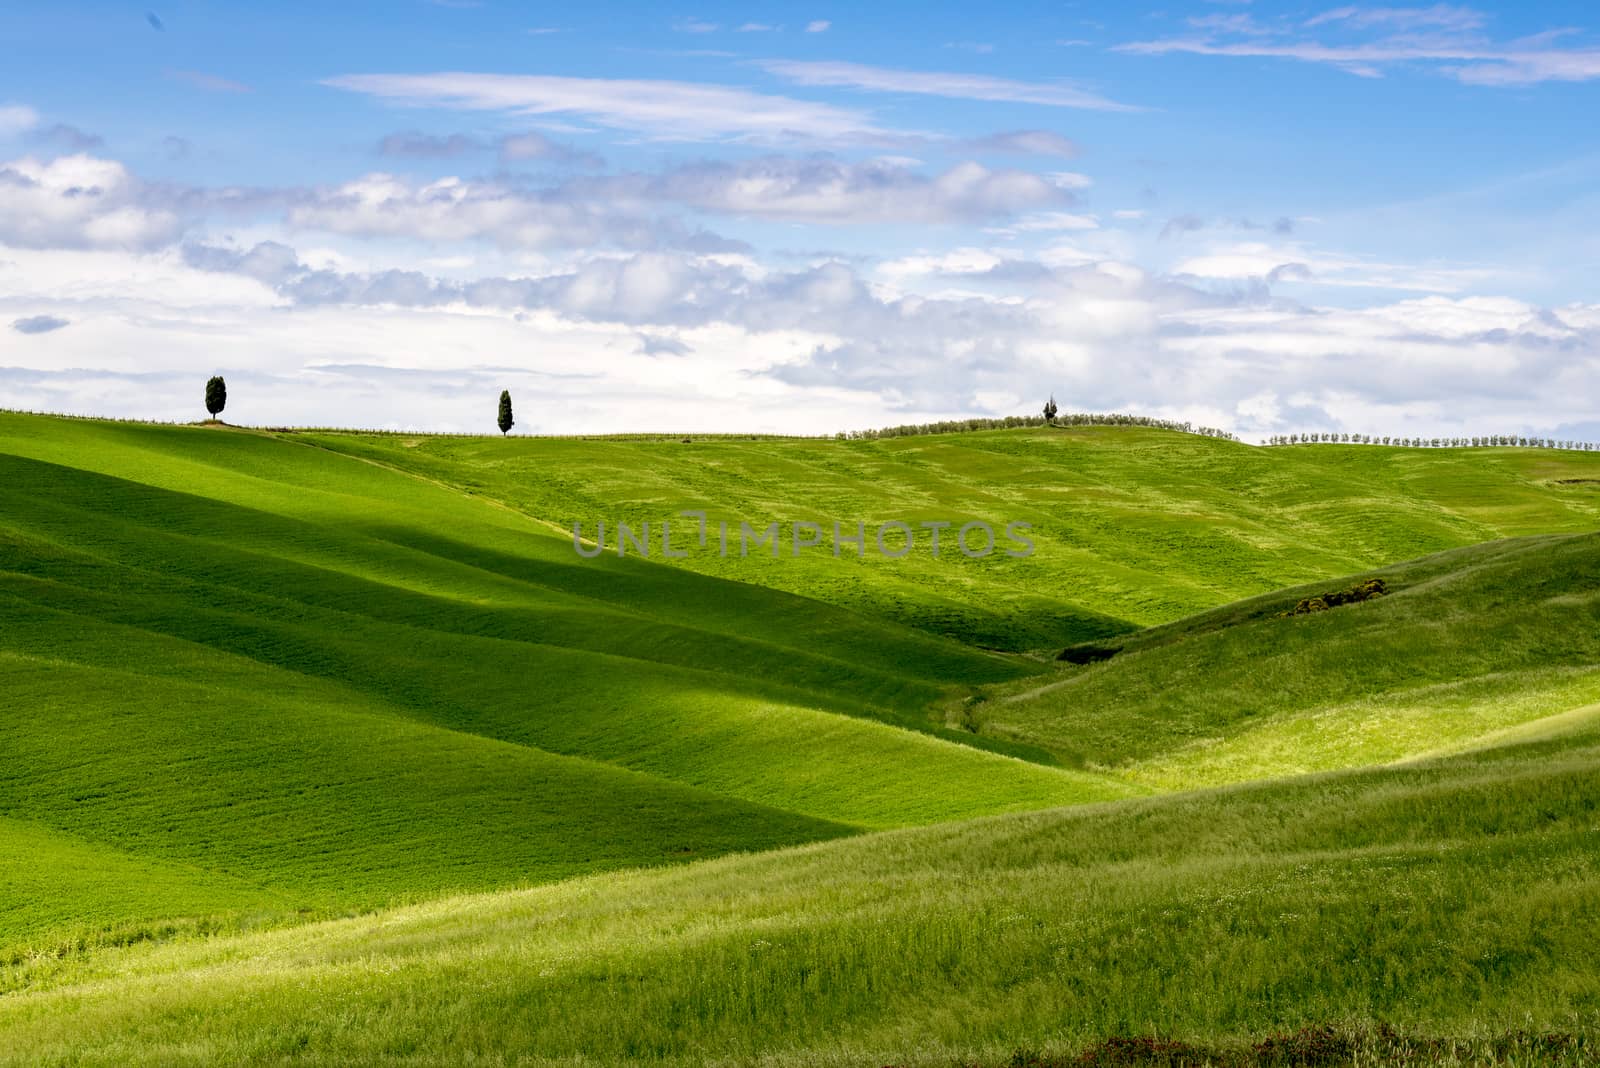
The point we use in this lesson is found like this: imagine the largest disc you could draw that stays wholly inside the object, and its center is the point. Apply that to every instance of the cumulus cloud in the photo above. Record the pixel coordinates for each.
(831, 191)
(700, 342)
(1291, 262)
(38, 324)
(457, 209)
(625, 210)
(818, 26)
(78, 201)
(269, 262)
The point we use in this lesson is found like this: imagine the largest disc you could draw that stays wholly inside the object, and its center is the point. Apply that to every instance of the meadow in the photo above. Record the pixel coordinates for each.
(329, 748)
(1132, 527)
(1456, 897)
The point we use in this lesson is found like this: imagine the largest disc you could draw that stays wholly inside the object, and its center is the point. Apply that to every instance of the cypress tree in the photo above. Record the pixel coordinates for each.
(216, 395)
(506, 422)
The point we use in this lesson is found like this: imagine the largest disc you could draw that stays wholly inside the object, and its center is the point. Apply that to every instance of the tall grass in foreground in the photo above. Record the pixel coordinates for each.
(1460, 898)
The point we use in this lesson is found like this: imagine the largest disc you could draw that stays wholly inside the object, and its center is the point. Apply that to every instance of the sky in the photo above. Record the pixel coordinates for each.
(805, 217)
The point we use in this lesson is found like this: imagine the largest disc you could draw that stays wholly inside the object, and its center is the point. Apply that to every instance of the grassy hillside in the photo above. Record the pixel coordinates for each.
(1132, 527)
(1467, 643)
(1360, 899)
(317, 684)
(270, 700)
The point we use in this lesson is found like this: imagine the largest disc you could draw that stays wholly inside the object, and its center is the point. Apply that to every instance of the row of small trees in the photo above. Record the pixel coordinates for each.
(952, 426)
(217, 399)
(1515, 440)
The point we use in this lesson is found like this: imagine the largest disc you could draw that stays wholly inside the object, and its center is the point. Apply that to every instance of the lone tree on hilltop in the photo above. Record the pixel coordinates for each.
(506, 422)
(1050, 409)
(216, 395)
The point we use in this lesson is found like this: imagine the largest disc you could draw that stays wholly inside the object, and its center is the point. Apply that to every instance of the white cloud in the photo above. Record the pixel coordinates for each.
(1070, 180)
(16, 118)
(1442, 36)
(624, 210)
(827, 190)
(812, 350)
(818, 26)
(661, 110)
(1046, 222)
(400, 297)
(584, 214)
(956, 261)
(1438, 16)
(78, 202)
(1298, 263)
(450, 209)
(944, 84)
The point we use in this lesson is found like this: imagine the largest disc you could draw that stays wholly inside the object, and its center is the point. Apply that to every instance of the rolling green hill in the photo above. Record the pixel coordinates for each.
(1466, 643)
(1132, 527)
(1459, 897)
(289, 671)
(269, 701)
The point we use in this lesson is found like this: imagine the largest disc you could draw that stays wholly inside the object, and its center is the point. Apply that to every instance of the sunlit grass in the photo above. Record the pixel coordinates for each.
(1359, 899)
(1466, 644)
(329, 749)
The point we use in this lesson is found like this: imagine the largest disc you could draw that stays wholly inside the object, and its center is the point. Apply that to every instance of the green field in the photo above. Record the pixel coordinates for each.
(329, 748)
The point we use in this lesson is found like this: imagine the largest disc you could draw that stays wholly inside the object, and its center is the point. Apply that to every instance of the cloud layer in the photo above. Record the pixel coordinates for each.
(1367, 41)
(813, 244)
(658, 110)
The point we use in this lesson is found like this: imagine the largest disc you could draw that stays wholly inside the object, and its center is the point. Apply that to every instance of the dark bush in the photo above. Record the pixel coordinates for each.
(1361, 591)
(1088, 654)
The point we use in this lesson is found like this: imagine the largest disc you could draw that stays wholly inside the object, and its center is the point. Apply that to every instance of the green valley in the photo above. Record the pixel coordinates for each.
(322, 747)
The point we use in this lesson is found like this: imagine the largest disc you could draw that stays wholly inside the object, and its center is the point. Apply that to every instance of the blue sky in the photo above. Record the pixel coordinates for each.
(1270, 217)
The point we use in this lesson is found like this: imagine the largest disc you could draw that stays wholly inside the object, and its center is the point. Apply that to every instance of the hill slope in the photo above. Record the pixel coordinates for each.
(1131, 527)
(266, 665)
(1467, 643)
(258, 679)
(1360, 899)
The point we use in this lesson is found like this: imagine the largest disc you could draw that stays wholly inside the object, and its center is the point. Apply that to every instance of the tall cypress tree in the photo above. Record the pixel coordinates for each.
(506, 422)
(1050, 409)
(216, 395)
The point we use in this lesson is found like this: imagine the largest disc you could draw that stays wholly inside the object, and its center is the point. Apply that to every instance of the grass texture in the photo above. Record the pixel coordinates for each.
(329, 748)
